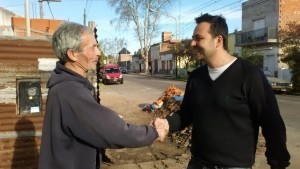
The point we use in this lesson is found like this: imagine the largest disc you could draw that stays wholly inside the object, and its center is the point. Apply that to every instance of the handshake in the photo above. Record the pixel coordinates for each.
(161, 126)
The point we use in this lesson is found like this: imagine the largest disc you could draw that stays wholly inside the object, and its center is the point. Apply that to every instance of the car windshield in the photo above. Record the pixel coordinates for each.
(112, 70)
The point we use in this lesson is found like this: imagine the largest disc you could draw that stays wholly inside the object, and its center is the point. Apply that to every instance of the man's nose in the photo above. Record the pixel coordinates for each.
(193, 43)
(98, 52)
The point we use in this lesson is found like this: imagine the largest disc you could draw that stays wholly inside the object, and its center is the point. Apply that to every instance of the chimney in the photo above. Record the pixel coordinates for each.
(166, 36)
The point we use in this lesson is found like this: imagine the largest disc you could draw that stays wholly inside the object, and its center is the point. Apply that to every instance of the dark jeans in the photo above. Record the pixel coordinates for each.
(195, 163)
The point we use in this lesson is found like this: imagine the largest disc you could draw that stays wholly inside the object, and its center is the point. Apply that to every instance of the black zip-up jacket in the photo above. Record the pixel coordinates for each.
(76, 126)
(226, 114)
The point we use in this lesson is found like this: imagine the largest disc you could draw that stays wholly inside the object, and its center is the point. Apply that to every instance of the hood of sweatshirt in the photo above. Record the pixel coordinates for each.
(61, 73)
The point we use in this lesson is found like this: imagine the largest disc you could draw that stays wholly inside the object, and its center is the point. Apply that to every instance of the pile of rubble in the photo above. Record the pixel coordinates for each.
(170, 102)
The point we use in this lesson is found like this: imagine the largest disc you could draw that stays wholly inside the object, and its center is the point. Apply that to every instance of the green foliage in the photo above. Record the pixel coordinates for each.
(252, 55)
(102, 57)
(290, 44)
(182, 52)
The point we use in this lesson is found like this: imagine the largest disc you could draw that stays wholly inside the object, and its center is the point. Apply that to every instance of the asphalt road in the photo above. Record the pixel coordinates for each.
(139, 90)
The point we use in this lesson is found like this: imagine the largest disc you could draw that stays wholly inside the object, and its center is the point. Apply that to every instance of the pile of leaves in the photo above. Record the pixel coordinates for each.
(170, 105)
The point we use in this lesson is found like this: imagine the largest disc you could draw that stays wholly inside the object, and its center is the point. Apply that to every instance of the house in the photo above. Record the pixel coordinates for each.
(124, 58)
(261, 22)
(25, 65)
(13, 25)
(232, 49)
(5, 22)
(137, 63)
(162, 60)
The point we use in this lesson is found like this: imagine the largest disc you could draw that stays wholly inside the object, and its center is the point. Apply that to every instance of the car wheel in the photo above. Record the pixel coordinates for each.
(104, 81)
(122, 81)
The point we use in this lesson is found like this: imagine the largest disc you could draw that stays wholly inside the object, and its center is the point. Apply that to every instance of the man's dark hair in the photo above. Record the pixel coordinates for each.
(218, 26)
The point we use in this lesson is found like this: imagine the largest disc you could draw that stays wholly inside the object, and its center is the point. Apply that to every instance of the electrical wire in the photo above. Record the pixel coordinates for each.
(50, 9)
(189, 26)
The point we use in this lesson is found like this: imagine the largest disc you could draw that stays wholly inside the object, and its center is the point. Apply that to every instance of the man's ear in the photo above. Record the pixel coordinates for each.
(72, 55)
(219, 41)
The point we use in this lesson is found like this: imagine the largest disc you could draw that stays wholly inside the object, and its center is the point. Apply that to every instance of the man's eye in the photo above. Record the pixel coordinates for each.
(196, 38)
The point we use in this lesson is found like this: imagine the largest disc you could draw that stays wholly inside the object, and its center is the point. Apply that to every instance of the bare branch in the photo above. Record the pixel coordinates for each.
(145, 22)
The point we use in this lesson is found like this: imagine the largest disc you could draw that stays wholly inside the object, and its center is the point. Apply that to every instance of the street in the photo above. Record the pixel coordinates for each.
(139, 90)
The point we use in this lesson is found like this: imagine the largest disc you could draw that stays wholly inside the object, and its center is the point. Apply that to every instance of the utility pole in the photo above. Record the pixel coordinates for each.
(84, 17)
(28, 30)
(41, 6)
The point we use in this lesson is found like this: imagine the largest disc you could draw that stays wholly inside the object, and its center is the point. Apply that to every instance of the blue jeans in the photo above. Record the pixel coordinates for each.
(194, 163)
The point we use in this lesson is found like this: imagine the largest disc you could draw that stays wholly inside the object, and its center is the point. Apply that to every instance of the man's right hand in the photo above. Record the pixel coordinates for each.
(162, 127)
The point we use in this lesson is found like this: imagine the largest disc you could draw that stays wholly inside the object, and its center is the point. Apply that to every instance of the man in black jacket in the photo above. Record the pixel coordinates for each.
(75, 126)
(226, 101)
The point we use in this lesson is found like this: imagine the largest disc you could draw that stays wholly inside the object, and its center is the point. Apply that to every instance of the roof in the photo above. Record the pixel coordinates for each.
(124, 51)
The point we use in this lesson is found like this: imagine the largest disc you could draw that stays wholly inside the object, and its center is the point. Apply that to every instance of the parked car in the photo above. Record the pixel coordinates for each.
(111, 73)
(123, 70)
(277, 84)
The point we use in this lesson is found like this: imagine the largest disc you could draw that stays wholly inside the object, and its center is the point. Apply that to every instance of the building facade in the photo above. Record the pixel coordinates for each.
(124, 58)
(25, 66)
(162, 59)
(261, 22)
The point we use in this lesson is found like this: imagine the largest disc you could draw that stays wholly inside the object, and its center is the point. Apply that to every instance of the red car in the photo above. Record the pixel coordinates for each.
(110, 73)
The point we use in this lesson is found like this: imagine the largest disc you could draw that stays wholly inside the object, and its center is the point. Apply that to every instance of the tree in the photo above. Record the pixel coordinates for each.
(145, 15)
(252, 55)
(111, 47)
(102, 57)
(289, 39)
(182, 52)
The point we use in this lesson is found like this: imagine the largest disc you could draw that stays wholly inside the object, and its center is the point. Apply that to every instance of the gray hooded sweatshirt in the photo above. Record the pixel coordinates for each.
(76, 127)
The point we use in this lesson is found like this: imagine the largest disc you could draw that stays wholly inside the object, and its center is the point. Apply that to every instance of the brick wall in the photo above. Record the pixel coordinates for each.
(39, 27)
(288, 11)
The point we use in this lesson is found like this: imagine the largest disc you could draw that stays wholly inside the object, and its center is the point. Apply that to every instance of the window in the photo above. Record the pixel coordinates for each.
(259, 24)
(112, 70)
(29, 96)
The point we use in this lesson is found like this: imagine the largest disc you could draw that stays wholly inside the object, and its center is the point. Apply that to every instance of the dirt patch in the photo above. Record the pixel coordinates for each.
(157, 151)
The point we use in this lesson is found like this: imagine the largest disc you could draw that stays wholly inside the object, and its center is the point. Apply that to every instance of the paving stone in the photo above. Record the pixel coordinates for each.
(152, 165)
(173, 164)
(124, 166)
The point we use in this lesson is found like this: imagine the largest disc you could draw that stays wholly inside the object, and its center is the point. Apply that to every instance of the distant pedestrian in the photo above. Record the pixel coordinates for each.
(150, 69)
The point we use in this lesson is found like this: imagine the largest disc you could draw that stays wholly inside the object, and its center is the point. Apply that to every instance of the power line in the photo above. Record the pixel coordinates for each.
(189, 26)
(88, 7)
(50, 9)
(200, 7)
(226, 6)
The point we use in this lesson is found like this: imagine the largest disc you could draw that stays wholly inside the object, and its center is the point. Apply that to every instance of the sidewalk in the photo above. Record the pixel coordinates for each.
(159, 164)
(163, 76)
(172, 77)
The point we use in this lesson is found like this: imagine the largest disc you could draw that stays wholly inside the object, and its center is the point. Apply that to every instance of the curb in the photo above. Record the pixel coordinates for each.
(170, 77)
(294, 93)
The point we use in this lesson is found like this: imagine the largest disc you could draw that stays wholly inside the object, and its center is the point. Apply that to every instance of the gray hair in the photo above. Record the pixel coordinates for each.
(68, 36)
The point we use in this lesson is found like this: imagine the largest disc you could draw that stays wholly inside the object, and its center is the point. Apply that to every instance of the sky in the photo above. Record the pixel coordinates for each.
(182, 11)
